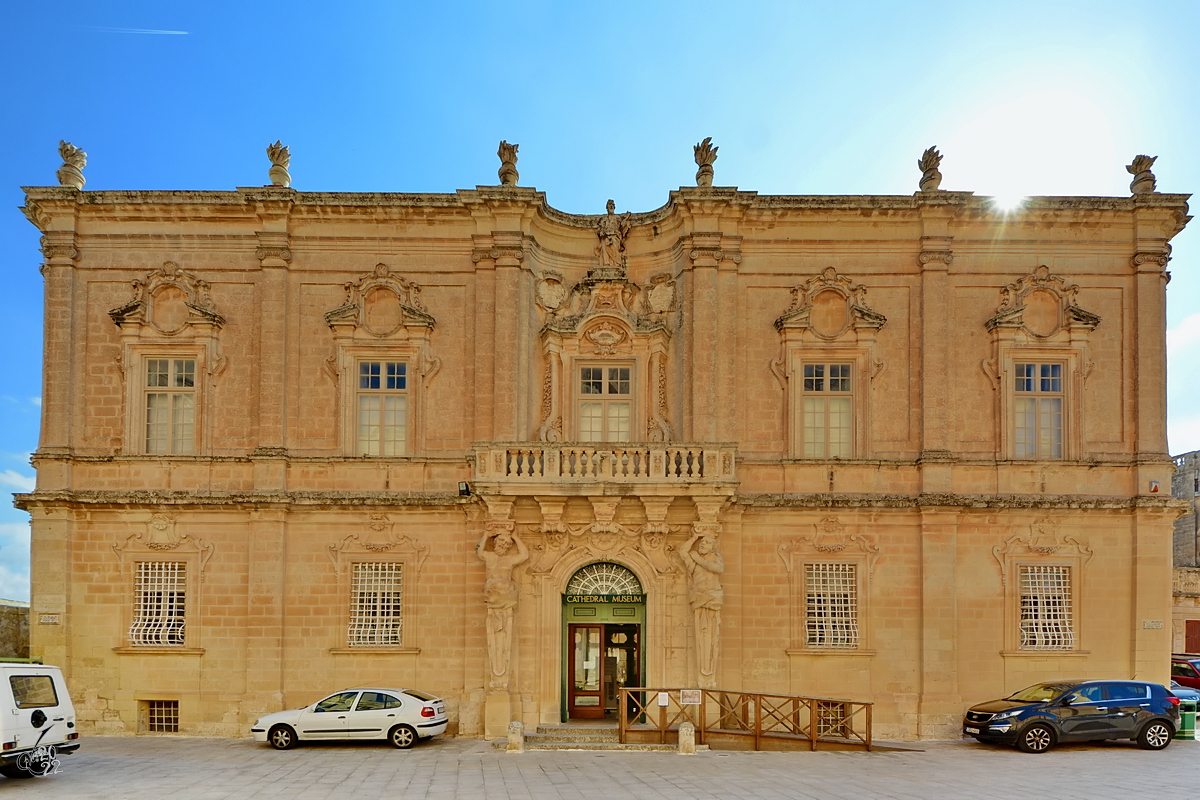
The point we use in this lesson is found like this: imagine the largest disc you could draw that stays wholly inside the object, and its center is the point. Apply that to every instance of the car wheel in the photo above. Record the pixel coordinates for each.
(13, 771)
(282, 737)
(1155, 736)
(402, 736)
(1037, 738)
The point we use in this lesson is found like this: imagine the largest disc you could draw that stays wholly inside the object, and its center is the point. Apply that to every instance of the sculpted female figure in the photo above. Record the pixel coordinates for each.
(612, 231)
(705, 595)
(500, 595)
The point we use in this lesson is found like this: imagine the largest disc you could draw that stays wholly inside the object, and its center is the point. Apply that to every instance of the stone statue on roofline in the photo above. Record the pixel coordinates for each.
(74, 160)
(930, 160)
(1143, 178)
(706, 154)
(280, 158)
(612, 231)
(508, 164)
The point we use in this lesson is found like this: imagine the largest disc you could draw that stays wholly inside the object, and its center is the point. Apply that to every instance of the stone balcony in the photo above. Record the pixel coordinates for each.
(593, 467)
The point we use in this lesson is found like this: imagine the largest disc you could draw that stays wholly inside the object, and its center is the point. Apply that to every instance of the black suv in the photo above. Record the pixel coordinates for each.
(1037, 718)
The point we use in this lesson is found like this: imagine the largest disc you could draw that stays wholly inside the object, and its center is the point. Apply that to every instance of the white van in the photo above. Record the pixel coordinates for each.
(37, 719)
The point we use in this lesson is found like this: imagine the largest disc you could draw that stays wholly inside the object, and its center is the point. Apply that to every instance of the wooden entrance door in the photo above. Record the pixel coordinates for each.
(585, 678)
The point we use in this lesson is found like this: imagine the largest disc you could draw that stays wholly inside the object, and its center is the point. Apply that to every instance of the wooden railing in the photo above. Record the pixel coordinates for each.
(531, 462)
(739, 720)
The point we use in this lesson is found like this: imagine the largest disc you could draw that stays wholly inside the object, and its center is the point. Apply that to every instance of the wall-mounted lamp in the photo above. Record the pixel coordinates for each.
(464, 489)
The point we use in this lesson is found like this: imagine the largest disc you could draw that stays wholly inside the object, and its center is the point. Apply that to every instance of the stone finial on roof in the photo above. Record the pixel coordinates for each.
(930, 160)
(706, 154)
(508, 163)
(1143, 179)
(74, 160)
(280, 158)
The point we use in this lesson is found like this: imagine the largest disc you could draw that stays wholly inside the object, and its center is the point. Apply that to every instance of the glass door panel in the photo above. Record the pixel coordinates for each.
(586, 676)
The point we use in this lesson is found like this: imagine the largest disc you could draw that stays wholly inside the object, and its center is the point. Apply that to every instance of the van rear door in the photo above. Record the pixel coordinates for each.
(40, 705)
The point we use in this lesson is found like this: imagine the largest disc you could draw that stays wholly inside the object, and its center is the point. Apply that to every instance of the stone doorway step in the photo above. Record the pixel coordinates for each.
(599, 735)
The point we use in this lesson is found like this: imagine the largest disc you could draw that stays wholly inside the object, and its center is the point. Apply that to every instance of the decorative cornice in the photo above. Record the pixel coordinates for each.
(150, 498)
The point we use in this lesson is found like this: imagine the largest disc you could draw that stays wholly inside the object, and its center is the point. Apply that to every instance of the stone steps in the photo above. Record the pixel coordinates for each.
(584, 737)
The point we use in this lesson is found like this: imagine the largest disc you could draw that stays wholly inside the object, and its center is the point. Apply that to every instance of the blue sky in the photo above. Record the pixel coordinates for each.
(605, 100)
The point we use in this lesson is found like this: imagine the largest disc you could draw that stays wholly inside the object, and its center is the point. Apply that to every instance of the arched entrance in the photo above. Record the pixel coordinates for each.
(604, 619)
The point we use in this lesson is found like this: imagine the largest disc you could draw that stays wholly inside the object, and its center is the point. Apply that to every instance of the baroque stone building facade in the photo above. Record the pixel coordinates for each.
(1185, 486)
(893, 448)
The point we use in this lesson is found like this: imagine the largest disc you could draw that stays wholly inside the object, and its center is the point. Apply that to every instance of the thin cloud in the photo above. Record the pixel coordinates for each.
(151, 31)
(14, 479)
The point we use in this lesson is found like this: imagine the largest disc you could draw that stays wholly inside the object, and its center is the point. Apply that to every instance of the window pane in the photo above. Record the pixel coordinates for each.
(591, 380)
(183, 423)
(185, 373)
(397, 375)
(33, 691)
(831, 605)
(369, 411)
(814, 377)
(157, 372)
(591, 423)
(814, 427)
(840, 444)
(376, 613)
(368, 374)
(158, 608)
(394, 427)
(839, 377)
(1050, 427)
(618, 422)
(1046, 619)
(157, 422)
(1025, 427)
(618, 380)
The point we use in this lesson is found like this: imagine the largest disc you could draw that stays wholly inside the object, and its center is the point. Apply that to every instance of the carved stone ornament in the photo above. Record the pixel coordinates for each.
(169, 300)
(71, 171)
(1042, 304)
(508, 164)
(705, 154)
(381, 303)
(378, 535)
(828, 306)
(1044, 539)
(929, 162)
(280, 158)
(1143, 179)
(162, 535)
(659, 296)
(551, 292)
(607, 336)
(830, 538)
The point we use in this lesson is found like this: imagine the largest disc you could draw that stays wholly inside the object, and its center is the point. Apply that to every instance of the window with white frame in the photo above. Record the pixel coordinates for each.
(159, 595)
(382, 404)
(1038, 411)
(831, 605)
(1047, 622)
(170, 406)
(827, 412)
(605, 403)
(376, 605)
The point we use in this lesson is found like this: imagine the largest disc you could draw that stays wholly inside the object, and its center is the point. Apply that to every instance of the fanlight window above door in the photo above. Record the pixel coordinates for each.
(604, 578)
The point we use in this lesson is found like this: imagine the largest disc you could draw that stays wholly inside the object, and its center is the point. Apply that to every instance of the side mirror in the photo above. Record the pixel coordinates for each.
(1066, 701)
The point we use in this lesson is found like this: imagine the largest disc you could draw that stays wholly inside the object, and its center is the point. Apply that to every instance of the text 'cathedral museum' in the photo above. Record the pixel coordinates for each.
(898, 449)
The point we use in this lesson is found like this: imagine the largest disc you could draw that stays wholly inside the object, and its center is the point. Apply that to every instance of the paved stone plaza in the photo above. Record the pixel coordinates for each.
(114, 768)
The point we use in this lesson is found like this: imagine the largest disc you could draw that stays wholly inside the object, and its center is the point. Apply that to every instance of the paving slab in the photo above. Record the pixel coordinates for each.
(114, 768)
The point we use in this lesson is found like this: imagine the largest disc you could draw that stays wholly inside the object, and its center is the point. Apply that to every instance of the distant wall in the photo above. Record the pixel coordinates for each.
(14, 629)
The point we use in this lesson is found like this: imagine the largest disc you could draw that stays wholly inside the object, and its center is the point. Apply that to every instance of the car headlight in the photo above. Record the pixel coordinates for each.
(1007, 714)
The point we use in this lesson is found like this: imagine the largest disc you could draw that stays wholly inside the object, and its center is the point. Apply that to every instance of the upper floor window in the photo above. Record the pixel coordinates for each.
(605, 403)
(1038, 410)
(827, 415)
(382, 402)
(170, 404)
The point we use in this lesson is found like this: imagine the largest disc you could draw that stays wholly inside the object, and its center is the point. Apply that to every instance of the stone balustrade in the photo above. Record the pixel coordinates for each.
(607, 462)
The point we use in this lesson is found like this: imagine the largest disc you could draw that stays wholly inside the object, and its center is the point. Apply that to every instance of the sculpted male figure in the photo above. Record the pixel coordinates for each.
(706, 596)
(500, 595)
(612, 231)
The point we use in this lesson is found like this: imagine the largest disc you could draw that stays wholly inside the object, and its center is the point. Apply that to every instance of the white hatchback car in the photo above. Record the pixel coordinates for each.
(401, 716)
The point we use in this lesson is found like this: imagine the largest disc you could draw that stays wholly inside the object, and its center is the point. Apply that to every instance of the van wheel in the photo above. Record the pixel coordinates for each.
(13, 771)
(282, 737)
(1155, 736)
(1037, 738)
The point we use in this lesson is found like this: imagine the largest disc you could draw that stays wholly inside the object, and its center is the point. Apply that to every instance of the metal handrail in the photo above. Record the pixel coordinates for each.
(791, 718)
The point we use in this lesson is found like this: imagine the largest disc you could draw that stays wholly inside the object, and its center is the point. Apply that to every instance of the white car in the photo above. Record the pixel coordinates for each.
(401, 716)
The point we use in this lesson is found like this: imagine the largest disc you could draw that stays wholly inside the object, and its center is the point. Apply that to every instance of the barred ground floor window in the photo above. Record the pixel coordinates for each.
(159, 595)
(831, 605)
(1047, 620)
(376, 605)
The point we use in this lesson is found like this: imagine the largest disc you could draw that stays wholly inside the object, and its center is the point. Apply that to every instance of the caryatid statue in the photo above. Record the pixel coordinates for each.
(280, 158)
(929, 162)
(508, 164)
(74, 160)
(706, 154)
(706, 596)
(500, 594)
(612, 231)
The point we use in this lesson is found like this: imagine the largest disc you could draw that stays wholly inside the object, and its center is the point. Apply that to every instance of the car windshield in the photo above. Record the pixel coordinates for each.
(1041, 693)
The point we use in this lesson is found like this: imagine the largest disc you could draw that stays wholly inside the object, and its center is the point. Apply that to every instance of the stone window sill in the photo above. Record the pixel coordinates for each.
(159, 651)
(374, 651)
(831, 651)
(1044, 653)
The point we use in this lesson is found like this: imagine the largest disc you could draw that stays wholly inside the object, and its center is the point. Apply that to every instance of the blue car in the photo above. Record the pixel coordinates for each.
(1184, 692)
(1035, 719)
